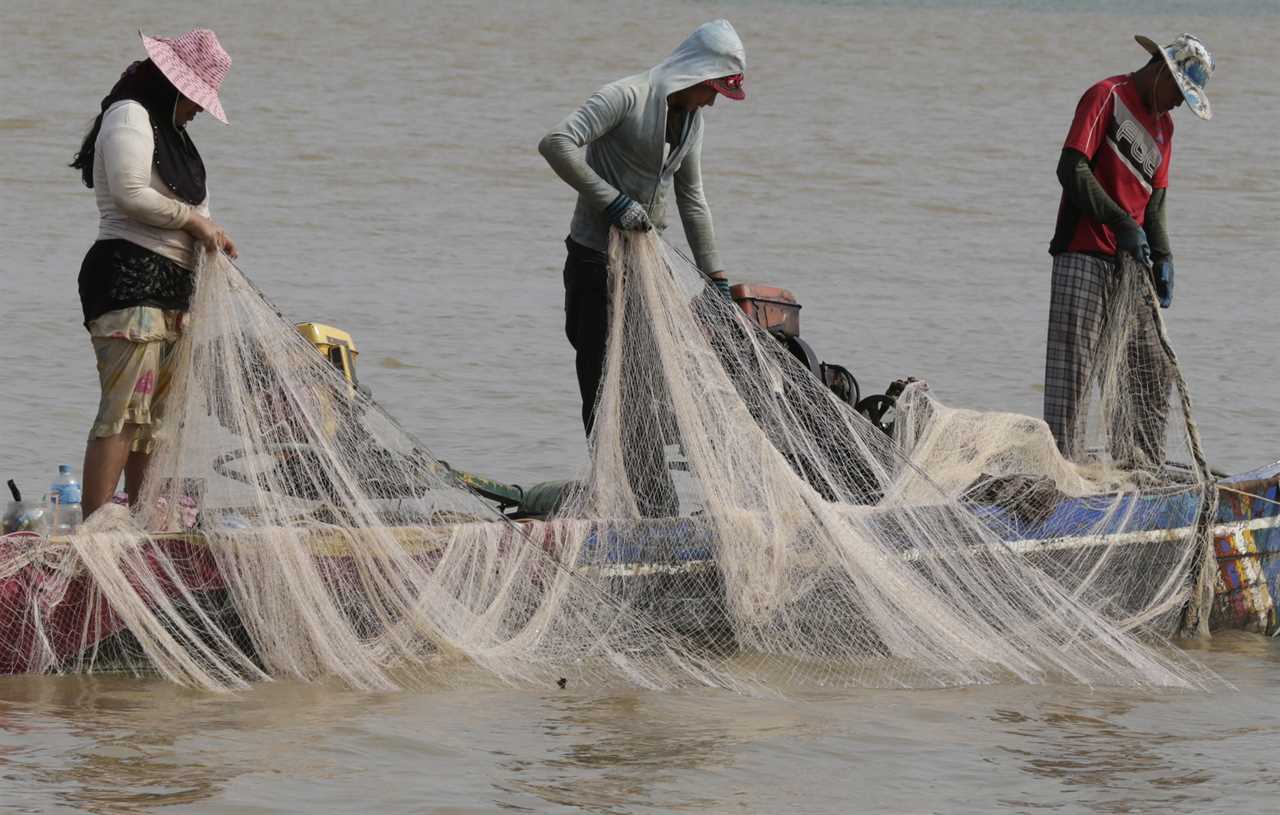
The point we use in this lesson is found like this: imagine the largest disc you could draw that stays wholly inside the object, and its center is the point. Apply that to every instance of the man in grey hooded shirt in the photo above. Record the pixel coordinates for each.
(643, 135)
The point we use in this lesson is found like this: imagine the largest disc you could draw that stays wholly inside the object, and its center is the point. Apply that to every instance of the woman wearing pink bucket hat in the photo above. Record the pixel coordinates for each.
(136, 279)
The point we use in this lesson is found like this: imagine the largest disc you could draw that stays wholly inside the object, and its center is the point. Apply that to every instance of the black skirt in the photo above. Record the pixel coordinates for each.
(118, 274)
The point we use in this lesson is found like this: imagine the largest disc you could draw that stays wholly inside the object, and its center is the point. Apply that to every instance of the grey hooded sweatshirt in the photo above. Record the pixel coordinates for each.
(623, 126)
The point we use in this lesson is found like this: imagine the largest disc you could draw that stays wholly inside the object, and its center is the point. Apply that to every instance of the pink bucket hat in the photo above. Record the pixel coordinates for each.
(195, 63)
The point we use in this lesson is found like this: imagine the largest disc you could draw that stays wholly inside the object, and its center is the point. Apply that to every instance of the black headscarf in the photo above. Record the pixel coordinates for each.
(176, 157)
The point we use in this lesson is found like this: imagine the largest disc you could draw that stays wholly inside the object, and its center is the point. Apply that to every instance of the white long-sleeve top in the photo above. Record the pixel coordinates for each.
(133, 201)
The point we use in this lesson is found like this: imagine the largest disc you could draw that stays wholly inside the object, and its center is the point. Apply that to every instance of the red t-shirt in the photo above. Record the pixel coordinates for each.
(1128, 149)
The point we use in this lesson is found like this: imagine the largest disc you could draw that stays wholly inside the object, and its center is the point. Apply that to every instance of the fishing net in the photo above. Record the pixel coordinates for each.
(739, 525)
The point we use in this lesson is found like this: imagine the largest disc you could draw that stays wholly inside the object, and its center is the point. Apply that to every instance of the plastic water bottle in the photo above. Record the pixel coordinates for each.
(64, 496)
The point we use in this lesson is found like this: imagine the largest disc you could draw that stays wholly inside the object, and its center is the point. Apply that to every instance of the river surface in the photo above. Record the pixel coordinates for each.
(892, 166)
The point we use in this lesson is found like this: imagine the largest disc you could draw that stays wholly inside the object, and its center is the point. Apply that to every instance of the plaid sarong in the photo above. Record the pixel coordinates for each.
(1078, 305)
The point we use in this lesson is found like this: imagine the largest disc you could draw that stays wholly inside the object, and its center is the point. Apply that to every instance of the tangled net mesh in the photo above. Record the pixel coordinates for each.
(738, 526)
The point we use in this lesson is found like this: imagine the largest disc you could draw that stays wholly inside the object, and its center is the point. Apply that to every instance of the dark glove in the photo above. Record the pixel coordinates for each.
(722, 286)
(1162, 277)
(1132, 238)
(625, 213)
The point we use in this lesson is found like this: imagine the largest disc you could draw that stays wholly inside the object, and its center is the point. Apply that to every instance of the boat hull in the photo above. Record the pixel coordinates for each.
(49, 619)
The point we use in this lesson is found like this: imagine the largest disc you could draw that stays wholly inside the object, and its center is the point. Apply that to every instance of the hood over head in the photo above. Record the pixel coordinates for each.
(713, 50)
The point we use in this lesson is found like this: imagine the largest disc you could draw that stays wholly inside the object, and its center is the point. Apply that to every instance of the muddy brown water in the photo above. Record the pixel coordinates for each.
(893, 167)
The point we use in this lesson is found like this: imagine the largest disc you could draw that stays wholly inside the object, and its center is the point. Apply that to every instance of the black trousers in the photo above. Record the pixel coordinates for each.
(586, 324)
(586, 320)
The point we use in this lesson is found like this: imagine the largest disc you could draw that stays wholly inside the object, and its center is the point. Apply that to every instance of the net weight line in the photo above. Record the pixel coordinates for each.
(1195, 618)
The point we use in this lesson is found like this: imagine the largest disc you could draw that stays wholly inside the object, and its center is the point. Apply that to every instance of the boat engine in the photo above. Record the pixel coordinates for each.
(778, 312)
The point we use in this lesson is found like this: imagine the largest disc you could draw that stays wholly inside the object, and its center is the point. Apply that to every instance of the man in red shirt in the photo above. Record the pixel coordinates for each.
(1114, 171)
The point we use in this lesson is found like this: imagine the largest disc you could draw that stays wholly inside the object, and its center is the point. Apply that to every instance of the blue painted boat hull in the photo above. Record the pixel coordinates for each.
(670, 563)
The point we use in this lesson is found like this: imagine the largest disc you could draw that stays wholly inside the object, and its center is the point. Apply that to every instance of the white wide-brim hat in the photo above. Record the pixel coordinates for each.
(1191, 65)
(195, 63)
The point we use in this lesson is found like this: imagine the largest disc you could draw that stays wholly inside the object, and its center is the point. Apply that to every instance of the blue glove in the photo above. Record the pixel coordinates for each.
(722, 286)
(1132, 238)
(1162, 277)
(625, 213)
